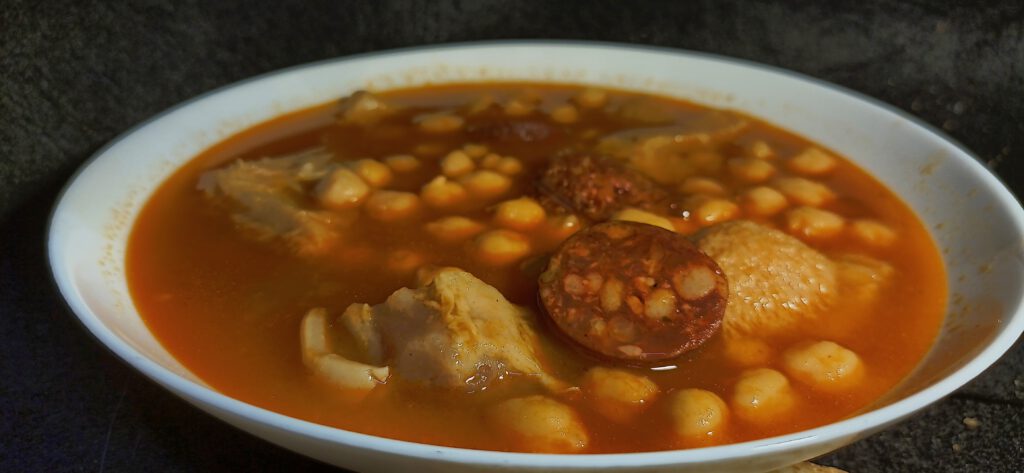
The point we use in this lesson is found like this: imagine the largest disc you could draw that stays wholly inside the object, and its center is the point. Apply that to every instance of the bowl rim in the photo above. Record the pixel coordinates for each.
(851, 427)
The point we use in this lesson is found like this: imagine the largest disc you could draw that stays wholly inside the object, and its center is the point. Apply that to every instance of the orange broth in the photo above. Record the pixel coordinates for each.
(228, 307)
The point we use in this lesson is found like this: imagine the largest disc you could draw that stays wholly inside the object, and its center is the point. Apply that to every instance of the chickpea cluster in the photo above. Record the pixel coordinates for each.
(470, 176)
(791, 193)
(762, 182)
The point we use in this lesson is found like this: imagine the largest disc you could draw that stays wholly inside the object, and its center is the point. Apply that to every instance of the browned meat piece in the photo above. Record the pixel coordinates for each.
(670, 154)
(633, 291)
(454, 332)
(861, 280)
(777, 284)
(596, 186)
(363, 108)
(265, 198)
(775, 280)
(707, 130)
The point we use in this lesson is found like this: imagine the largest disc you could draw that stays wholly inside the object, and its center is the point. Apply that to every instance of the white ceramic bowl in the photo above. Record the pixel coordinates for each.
(976, 222)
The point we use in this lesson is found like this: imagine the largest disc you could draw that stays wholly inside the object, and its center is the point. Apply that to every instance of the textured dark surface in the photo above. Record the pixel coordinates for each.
(74, 75)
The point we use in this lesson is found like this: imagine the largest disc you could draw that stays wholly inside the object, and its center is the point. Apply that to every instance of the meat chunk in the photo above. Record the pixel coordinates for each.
(503, 129)
(775, 280)
(596, 186)
(320, 358)
(264, 198)
(517, 122)
(363, 108)
(705, 130)
(669, 155)
(358, 321)
(632, 291)
(454, 332)
(861, 278)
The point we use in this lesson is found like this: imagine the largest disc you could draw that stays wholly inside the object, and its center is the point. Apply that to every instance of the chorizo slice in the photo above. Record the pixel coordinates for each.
(597, 186)
(495, 127)
(634, 292)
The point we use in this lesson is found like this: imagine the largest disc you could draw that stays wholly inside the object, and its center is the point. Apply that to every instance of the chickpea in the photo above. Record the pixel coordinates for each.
(482, 103)
(341, 189)
(684, 226)
(509, 166)
(590, 134)
(561, 227)
(426, 274)
(500, 247)
(522, 214)
(486, 184)
(539, 424)
(475, 151)
(751, 169)
(429, 150)
(457, 163)
(389, 206)
(702, 186)
(442, 193)
(744, 351)
(825, 366)
(591, 98)
(762, 396)
(698, 416)
(716, 211)
(363, 108)
(518, 108)
(763, 201)
(869, 275)
(402, 162)
(631, 214)
(617, 394)
(404, 261)
(375, 173)
(813, 223)
(565, 114)
(873, 232)
(353, 378)
(490, 161)
(453, 229)
(804, 191)
(707, 162)
(440, 122)
(760, 149)
(812, 162)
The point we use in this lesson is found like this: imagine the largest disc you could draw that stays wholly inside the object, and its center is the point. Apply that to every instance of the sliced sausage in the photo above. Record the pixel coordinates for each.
(596, 186)
(632, 291)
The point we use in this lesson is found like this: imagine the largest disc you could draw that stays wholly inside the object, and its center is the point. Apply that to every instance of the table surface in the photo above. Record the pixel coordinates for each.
(73, 75)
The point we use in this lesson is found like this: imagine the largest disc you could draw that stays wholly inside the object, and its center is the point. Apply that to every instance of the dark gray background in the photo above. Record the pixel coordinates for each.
(75, 74)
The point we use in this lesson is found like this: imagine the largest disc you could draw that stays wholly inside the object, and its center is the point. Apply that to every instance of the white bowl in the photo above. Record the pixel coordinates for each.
(977, 224)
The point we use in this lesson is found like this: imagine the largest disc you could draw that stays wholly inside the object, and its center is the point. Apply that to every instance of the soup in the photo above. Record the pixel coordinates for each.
(537, 267)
